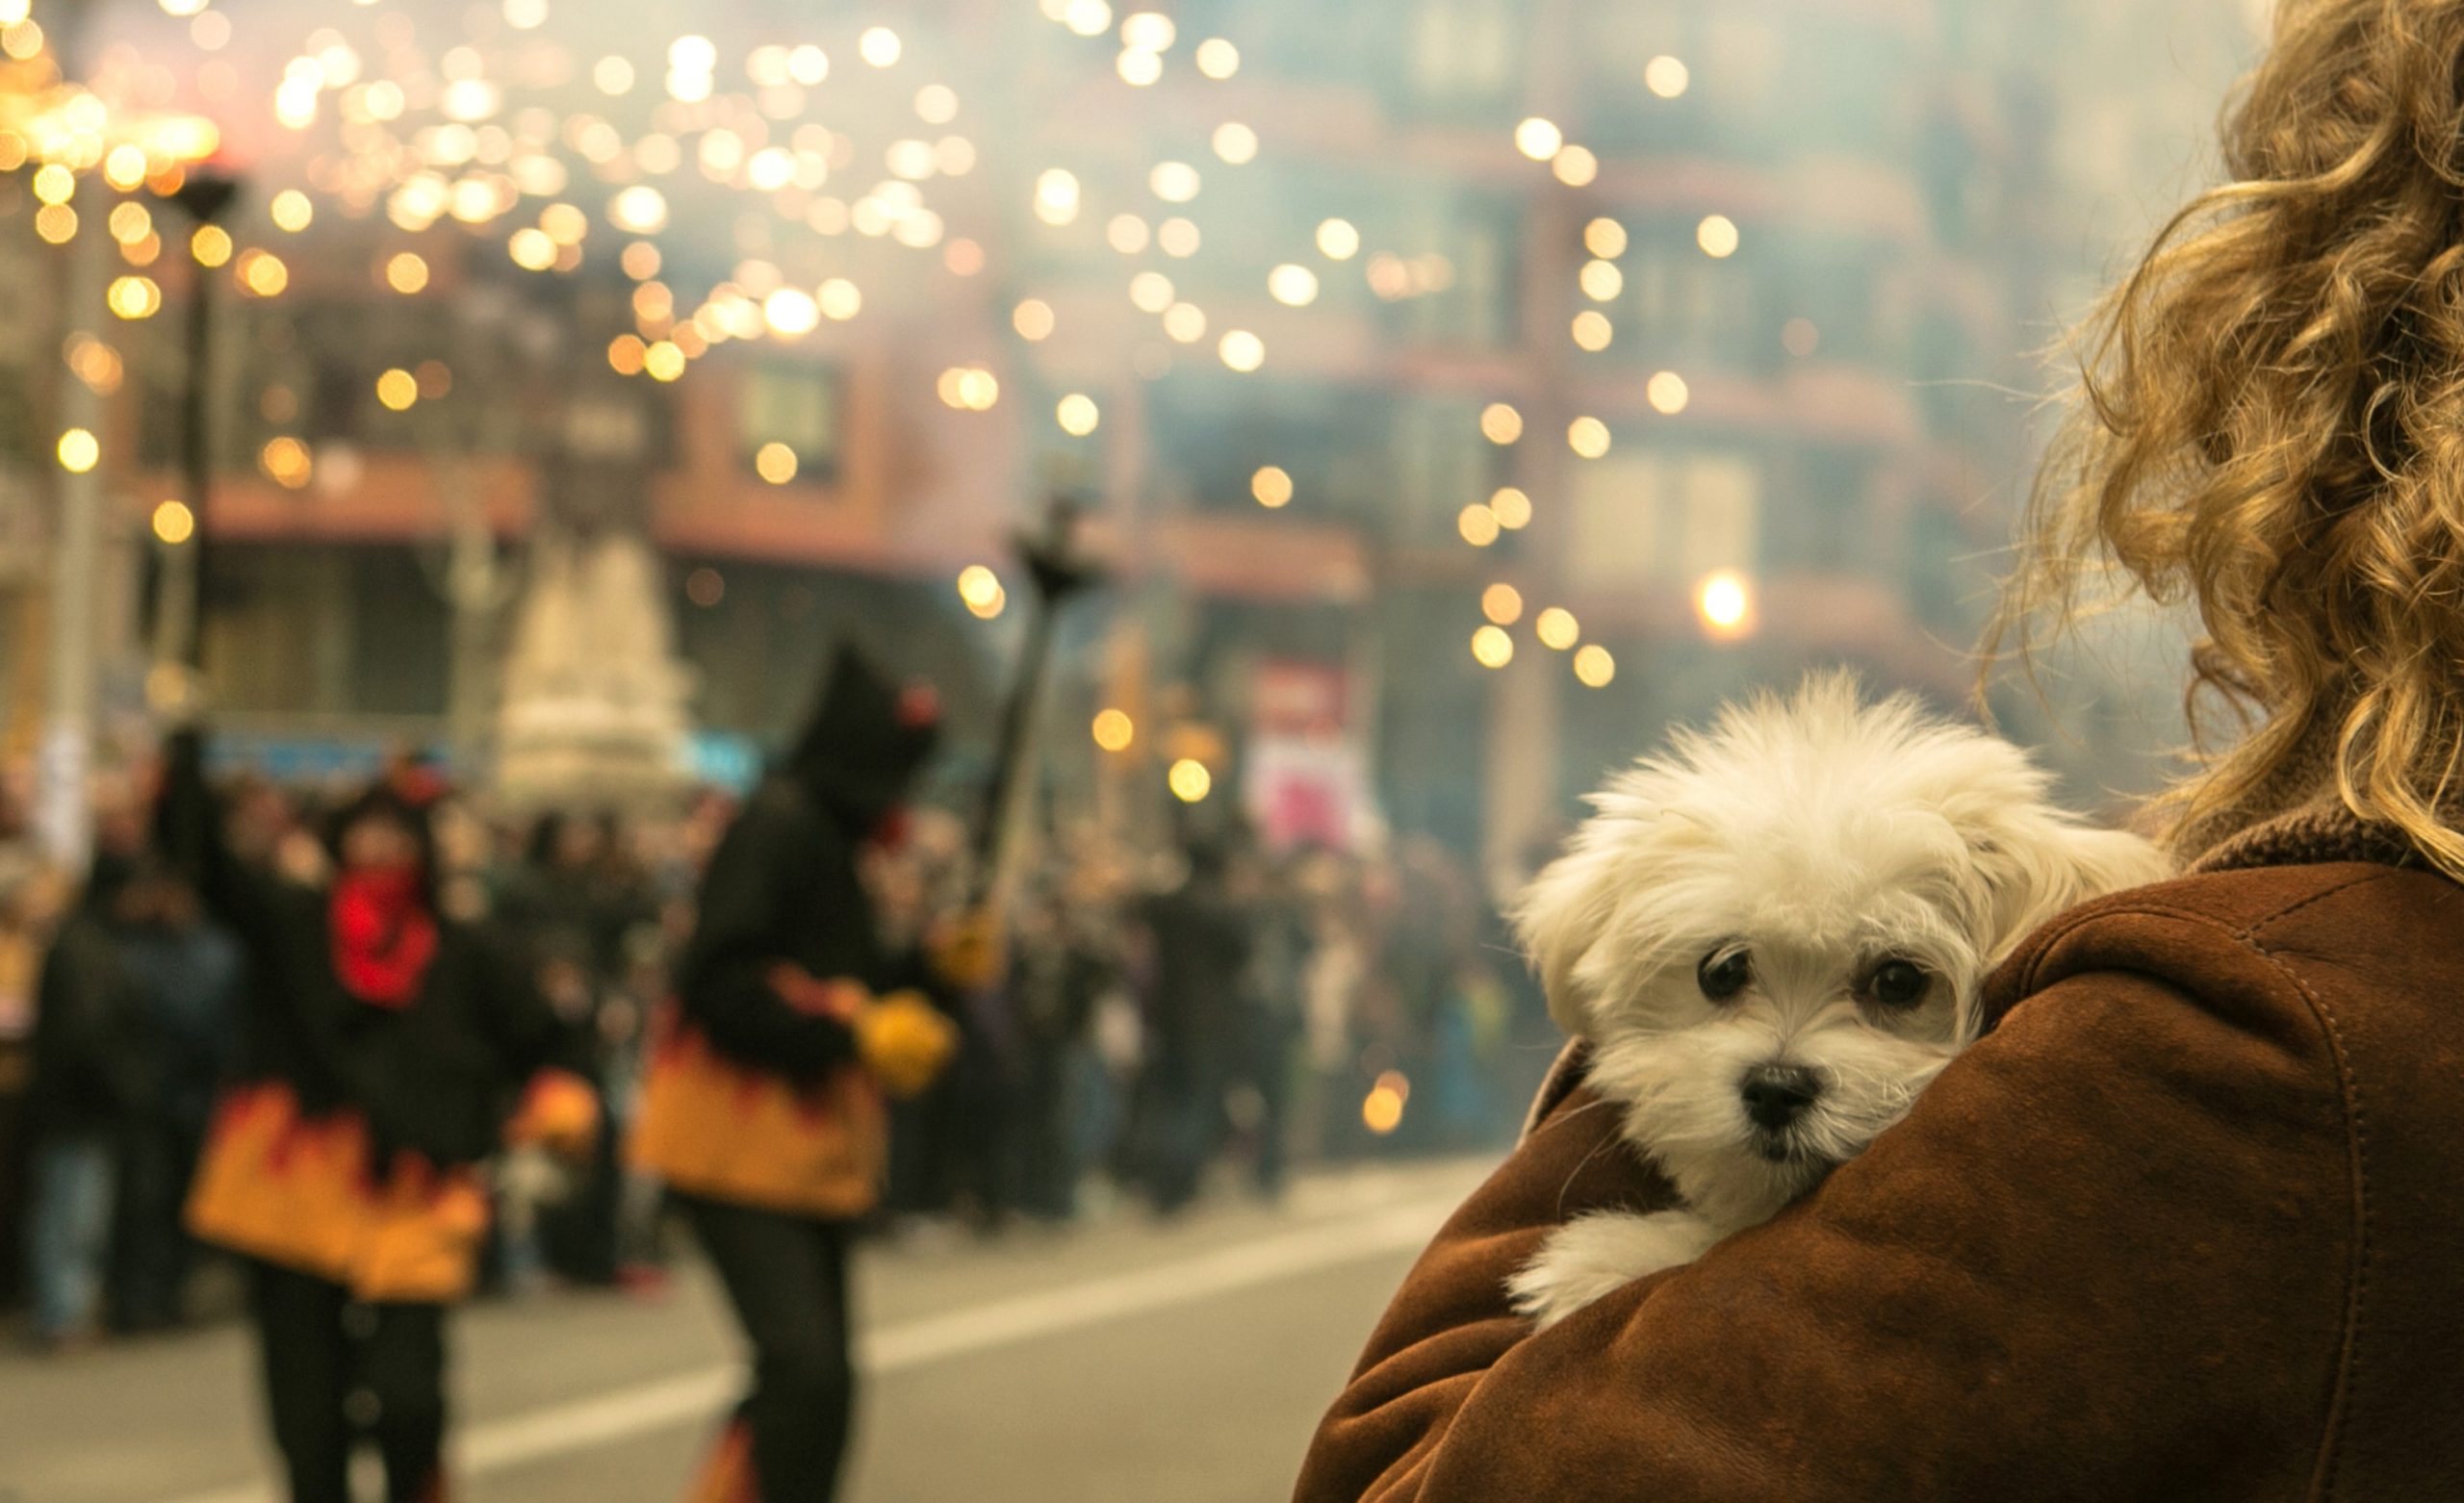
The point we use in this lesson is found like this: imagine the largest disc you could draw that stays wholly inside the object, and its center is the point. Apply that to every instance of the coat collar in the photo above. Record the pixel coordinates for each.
(2319, 831)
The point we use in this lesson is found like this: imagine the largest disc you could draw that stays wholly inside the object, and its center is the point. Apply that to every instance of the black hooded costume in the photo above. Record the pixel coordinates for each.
(760, 1111)
(378, 1063)
(437, 1078)
(783, 884)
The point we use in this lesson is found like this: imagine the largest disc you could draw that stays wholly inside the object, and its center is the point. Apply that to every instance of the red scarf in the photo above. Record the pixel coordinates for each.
(383, 936)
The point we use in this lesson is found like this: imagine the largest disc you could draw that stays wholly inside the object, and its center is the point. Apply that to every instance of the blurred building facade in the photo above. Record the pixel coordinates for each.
(1760, 301)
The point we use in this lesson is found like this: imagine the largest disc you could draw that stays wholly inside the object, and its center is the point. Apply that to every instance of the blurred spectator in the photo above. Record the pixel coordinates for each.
(1333, 974)
(1269, 1027)
(25, 920)
(186, 973)
(572, 905)
(91, 1079)
(1199, 943)
(1061, 971)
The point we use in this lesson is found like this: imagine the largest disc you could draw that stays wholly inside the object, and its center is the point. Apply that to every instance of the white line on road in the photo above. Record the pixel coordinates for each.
(697, 1398)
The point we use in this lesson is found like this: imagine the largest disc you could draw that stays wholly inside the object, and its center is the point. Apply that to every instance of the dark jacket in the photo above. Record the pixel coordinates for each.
(783, 884)
(1201, 941)
(438, 1076)
(92, 1066)
(2185, 1225)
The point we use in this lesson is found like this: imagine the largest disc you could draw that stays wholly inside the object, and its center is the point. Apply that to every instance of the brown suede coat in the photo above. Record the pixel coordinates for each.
(2187, 1224)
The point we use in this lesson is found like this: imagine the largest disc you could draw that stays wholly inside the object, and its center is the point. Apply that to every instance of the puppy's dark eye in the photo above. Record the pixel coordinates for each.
(1723, 974)
(1899, 983)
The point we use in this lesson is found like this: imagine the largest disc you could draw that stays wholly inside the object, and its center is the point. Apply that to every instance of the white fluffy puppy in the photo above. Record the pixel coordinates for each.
(1773, 939)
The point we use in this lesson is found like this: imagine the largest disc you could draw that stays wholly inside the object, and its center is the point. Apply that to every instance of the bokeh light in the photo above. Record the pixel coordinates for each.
(134, 297)
(406, 272)
(1217, 58)
(79, 451)
(173, 523)
(980, 592)
(263, 273)
(1539, 139)
(1271, 486)
(292, 211)
(1178, 238)
(1381, 1110)
(397, 389)
(1184, 322)
(774, 461)
(1595, 666)
(1724, 601)
(1191, 782)
(1078, 415)
(1113, 730)
(1492, 646)
(287, 462)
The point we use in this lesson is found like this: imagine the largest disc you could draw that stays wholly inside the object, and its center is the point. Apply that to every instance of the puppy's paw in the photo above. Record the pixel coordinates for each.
(1586, 1259)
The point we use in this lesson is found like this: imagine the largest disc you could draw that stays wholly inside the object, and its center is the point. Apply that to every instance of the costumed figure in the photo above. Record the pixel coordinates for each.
(386, 1050)
(763, 1110)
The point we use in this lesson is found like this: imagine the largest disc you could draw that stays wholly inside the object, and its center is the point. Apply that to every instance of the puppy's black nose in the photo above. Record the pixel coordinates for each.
(1778, 1094)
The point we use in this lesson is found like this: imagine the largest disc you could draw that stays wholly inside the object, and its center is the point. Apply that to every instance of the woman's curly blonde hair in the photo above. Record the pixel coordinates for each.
(2269, 424)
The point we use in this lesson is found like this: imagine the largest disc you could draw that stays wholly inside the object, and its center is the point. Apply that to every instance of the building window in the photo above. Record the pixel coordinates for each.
(1456, 274)
(1464, 49)
(1690, 305)
(797, 405)
(1666, 520)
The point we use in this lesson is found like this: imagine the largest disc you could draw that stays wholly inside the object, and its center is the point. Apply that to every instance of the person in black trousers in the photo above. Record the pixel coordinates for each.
(763, 1110)
(383, 1046)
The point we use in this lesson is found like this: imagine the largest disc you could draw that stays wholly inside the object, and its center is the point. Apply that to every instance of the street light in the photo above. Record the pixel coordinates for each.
(69, 127)
(179, 621)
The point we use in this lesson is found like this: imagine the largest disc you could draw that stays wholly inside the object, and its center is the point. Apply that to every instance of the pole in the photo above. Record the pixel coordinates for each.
(1058, 573)
(65, 815)
(179, 615)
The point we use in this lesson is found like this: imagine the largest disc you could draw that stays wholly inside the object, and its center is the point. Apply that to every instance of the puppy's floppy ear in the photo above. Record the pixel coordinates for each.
(2035, 865)
(1559, 917)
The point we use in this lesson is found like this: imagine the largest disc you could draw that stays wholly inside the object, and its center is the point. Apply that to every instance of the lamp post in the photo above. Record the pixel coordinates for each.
(179, 606)
(69, 124)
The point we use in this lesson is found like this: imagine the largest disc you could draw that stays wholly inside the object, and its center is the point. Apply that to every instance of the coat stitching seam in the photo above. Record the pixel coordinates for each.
(2328, 1468)
(2250, 930)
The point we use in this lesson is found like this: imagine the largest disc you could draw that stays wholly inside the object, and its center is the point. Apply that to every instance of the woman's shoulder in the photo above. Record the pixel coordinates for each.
(2294, 927)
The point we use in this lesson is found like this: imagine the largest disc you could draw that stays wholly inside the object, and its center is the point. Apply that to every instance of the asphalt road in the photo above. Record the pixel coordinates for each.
(1119, 1361)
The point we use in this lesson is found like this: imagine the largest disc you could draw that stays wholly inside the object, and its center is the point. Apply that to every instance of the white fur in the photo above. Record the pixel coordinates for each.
(1823, 836)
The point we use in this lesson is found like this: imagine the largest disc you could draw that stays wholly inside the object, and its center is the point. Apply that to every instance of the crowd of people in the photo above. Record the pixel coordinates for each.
(1200, 1008)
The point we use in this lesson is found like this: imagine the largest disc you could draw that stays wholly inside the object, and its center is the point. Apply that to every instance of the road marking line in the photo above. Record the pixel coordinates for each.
(700, 1396)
